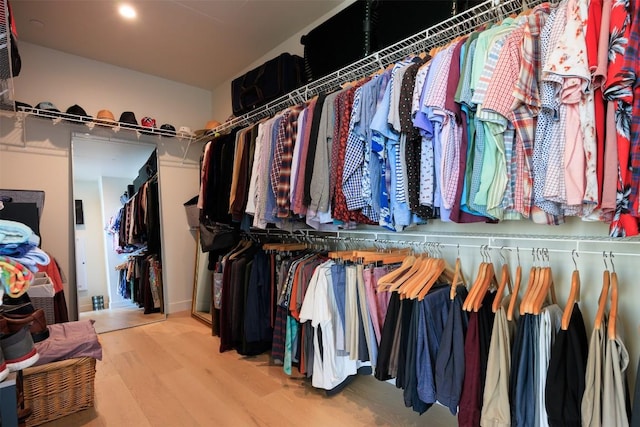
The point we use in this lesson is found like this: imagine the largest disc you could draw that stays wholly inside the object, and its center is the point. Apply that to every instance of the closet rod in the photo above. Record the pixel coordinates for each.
(437, 35)
(489, 243)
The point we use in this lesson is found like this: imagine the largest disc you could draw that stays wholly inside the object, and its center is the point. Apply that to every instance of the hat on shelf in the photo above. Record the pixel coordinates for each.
(211, 124)
(128, 118)
(169, 129)
(77, 110)
(185, 131)
(105, 117)
(148, 122)
(47, 109)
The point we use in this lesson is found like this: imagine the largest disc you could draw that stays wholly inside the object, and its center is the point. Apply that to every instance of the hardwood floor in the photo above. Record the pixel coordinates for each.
(171, 374)
(119, 318)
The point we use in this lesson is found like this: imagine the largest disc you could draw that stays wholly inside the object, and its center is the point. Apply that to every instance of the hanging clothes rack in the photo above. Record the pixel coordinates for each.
(437, 35)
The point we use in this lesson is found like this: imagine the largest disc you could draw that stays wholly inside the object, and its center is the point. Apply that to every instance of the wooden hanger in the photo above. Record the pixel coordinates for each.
(284, 247)
(245, 244)
(393, 257)
(574, 294)
(482, 270)
(397, 282)
(547, 289)
(437, 269)
(490, 279)
(604, 293)
(516, 289)
(417, 278)
(457, 273)
(531, 284)
(388, 279)
(613, 313)
(505, 280)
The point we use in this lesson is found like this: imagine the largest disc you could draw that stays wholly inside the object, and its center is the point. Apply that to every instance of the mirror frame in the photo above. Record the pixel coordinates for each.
(205, 317)
(73, 285)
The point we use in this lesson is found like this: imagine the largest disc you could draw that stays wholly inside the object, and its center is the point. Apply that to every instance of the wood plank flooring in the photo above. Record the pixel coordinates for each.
(119, 318)
(170, 373)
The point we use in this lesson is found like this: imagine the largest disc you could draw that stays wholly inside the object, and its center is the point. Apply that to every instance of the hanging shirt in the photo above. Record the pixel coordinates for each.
(329, 369)
(548, 153)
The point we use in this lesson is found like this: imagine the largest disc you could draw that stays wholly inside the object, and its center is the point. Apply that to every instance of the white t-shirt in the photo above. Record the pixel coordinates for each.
(331, 369)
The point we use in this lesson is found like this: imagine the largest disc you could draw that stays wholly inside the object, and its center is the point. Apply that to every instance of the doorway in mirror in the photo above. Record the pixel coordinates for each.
(118, 248)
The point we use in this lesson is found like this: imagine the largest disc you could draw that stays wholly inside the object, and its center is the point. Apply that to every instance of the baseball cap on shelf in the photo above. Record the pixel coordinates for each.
(105, 117)
(148, 122)
(128, 118)
(47, 109)
(185, 131)
(169, 129)
(77, 110)
(211, 124)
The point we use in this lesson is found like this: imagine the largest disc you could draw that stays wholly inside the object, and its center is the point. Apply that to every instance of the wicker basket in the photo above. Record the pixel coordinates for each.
(57, 389)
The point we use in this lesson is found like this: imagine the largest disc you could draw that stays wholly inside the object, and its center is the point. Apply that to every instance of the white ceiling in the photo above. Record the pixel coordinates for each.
(202, 43)
(94, 158)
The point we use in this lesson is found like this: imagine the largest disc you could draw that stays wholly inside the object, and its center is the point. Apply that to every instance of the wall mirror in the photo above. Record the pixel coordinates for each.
(202, 301)
(118, 244)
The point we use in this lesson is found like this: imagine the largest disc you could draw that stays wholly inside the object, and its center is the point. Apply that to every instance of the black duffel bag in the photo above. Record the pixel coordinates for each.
(216, 235)
(269, 81)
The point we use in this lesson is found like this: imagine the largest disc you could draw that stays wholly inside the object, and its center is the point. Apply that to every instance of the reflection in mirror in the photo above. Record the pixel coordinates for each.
(202, 302)
(117, 232)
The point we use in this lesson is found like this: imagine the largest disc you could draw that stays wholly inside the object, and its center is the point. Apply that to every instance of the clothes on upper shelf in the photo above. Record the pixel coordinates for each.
(528, 118)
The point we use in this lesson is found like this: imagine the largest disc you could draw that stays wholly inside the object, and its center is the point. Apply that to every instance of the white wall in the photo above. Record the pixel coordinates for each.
(111, 189)
(64, 80)
(92, 231)
(35, 153)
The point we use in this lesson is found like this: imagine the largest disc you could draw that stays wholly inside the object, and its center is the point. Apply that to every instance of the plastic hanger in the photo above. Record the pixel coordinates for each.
(604, 293)
(613, 313)
(516, 289)
(505, 280)
(574, 294)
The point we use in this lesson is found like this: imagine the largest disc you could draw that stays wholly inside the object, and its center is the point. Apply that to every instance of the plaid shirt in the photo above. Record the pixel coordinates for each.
(525, 118)
(354, 159)
(284, 152)
(278, 152)
(497, 108)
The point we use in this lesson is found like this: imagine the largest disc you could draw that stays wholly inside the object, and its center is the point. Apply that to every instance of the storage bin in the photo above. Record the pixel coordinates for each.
(193, 213)
(41, 293)
(57, 389)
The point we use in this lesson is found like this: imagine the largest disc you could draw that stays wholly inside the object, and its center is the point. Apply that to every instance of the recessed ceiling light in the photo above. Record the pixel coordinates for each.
(127, 11)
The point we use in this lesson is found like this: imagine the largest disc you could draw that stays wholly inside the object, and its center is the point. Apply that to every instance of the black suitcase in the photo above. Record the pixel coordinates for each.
(340, 40)
(271, 80)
